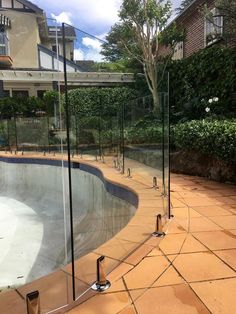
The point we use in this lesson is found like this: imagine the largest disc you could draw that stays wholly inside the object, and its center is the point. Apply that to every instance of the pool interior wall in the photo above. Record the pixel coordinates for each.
(34, 221)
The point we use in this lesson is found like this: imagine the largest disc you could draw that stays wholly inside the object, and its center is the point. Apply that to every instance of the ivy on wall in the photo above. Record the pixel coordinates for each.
(207, 74)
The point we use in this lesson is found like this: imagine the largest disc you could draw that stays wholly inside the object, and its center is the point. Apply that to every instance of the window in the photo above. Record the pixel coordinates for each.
(213, 27)
(20, 93)
(178, 51)
(6, 93)
(3, 41)
(40, 93)
(54, 48)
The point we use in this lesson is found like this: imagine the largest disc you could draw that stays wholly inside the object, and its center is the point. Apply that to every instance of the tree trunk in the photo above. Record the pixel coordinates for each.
(156, 100)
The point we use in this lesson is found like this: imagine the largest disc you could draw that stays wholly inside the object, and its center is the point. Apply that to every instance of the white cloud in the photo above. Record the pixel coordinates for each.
(63, 17)
(92, 43)
(78, 54)
(102, 36)
(88, 14)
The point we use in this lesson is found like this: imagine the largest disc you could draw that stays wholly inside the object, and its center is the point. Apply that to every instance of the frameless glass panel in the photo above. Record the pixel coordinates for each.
(110, 151)
(34, 207)
(100, 208)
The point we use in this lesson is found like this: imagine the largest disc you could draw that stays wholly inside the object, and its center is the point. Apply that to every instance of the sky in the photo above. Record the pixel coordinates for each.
(92, 16)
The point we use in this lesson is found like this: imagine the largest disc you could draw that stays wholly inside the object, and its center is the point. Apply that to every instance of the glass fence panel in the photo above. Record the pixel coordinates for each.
(146, 145)
(113, 146)
(34, 205)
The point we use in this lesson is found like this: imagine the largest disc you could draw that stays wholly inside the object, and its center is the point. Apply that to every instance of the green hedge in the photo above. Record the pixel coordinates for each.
(204, 75)
(99, 101)
(215, 138)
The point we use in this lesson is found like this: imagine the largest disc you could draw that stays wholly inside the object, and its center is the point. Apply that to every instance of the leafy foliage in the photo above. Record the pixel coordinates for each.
(99, 101)
(216, 137)
(26, 106)
(136, 36)
(200, 77)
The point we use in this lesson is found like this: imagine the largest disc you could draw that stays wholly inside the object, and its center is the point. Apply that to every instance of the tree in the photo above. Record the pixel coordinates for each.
(138, 35)
(184, 4)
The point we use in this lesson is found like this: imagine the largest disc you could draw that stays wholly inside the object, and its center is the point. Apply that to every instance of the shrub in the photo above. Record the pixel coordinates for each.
(215, 138)
(194, 80)
(99, 101)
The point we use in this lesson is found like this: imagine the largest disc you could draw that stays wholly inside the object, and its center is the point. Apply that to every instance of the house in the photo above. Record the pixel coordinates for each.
(200, 32)
(31, 53)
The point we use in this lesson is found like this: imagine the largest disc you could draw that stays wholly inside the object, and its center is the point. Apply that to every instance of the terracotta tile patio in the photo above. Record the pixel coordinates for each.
(190, 270)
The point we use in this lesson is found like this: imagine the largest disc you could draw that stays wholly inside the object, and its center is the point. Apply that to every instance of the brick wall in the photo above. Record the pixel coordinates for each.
(192, 21)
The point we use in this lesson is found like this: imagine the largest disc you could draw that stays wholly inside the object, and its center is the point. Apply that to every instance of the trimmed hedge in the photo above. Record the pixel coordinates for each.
(99, 101)
(215, 138)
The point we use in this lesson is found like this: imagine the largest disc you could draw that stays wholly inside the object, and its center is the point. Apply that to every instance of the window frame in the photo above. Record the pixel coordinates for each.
(218, 29)
(4, 44)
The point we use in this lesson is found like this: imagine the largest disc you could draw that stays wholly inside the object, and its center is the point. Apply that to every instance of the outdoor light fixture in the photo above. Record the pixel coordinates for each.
(102, 283)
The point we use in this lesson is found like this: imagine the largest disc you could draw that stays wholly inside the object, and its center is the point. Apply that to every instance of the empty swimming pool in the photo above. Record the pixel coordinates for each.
(34, 216)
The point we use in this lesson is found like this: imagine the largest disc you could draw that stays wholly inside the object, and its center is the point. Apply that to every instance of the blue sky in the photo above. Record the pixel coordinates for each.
(93, 16)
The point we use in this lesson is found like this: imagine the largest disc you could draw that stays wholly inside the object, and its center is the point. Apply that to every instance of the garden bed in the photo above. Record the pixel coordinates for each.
(195, 163)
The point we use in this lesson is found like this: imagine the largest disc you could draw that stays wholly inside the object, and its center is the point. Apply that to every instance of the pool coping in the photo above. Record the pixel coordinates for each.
(119, 186)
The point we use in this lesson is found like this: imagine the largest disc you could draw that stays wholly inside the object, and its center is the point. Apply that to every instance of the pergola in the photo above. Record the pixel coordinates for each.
(74, 78)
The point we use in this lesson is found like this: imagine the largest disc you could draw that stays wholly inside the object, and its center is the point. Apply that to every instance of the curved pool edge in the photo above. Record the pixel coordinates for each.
(136, 232)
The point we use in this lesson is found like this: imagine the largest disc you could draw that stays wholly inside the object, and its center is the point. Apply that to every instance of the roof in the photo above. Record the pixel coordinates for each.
(31, 5)
(69, 31)
(183, 12)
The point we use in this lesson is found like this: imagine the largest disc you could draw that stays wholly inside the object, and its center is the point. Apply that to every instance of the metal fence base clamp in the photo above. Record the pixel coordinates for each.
(33, 303)
(159, 232)
(154, 185)
(129, 173)
(102, 283)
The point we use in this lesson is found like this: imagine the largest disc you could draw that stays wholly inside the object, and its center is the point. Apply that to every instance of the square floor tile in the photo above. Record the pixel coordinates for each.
(201, 201)
(217, 240)
(168, 278)
(212, 211)
(219, 295)
(226, 222)
(139, 254)
(202, 266)
(184, 212)
(12, 303)
(178, 299)
(228, 256)
(146, 273)
(103, 304)
(184, 243)
(198, 224)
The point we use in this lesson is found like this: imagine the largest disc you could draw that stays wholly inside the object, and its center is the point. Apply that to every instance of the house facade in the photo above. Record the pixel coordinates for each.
(200, 32)
(31, 52)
